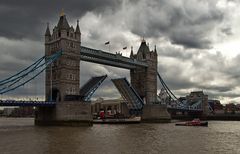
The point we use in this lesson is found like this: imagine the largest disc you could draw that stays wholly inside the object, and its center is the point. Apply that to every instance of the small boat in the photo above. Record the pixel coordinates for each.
(194, 122)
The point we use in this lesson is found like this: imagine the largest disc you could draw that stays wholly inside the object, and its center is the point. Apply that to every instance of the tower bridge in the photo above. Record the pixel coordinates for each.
(67, 104)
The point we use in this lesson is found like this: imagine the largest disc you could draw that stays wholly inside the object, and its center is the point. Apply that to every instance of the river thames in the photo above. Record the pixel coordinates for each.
(19, 135)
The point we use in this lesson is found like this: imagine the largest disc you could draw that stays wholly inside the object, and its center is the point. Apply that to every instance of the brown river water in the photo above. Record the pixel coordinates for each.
(20, 136)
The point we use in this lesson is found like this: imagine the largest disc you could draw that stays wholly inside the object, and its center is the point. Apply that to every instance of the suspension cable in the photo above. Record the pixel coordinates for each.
(37, 65)
(169, 92)
(24, 75)
(7, 79)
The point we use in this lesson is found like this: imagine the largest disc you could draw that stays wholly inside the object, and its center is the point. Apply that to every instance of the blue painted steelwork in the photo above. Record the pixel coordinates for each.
(18, 75)
(170, 93)
(129, 94)
(26, 103)
(90, 87)
(27, 74)
(106, 58)
(178, 105)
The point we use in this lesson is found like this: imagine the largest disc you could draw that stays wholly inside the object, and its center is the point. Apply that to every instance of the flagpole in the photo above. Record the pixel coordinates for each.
(124, 48)
(108, 43)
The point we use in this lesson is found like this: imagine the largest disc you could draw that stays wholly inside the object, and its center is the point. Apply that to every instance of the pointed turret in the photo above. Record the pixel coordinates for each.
(77, 28)
(63, 23)
(77, 32)
(143, 49)
(131, 54)
(155, 49)
(47, 33)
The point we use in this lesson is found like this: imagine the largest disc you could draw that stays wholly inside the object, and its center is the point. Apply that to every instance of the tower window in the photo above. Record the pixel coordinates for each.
(59, 34)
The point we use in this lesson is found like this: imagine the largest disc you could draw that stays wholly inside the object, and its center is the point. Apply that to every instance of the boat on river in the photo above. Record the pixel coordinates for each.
(194, 122)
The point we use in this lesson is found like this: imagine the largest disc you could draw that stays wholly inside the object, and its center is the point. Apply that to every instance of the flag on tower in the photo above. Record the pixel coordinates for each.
(106, 43)
(124, 48)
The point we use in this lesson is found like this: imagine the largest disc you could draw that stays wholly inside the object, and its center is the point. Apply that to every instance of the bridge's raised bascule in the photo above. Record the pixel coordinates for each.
(144, 80)
(62, 78)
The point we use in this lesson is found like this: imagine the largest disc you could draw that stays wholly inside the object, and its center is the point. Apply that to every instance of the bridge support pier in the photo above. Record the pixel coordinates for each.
(65, 114)
(155, 113)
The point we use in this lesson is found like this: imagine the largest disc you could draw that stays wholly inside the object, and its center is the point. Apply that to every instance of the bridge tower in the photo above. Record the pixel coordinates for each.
(144, 80)
(63, 78)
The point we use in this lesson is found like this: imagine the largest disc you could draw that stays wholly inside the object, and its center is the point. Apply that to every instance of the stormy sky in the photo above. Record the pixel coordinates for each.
(197, 40)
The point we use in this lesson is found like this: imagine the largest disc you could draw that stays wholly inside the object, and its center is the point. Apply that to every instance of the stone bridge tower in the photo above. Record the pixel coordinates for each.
(144, 80)
(63, 77)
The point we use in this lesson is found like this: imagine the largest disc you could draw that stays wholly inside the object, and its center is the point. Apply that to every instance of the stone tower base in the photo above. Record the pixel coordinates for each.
(155, 113)
(65, 114)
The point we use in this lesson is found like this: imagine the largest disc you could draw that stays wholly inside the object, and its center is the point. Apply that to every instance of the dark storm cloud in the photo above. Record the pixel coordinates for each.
(28, 18)
(188, 23)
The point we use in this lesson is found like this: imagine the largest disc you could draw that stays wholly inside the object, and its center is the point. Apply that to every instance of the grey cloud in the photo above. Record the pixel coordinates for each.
(176, 52)
(210, 72)
(182, 22)
(227, 31)
(218, 88)
(27, 19)
(228, 95)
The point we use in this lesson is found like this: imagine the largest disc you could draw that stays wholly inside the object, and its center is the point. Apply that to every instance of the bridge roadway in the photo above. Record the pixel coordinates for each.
(51, 104)
(106, 58)
(26, 103)
(172, 109)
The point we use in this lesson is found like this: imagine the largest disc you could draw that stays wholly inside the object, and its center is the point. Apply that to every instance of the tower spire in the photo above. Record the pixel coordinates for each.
(143, 40)
(77, 28)
(62, 13)
(63, 23)
(131, 55)
(47, 33)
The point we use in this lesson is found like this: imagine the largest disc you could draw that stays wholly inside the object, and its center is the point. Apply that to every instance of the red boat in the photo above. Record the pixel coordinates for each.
(194, 122)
